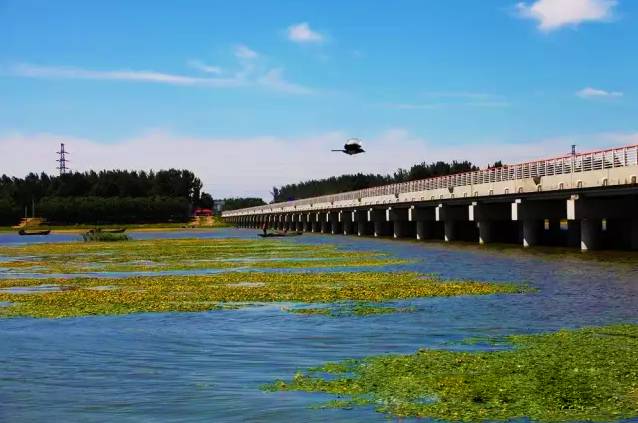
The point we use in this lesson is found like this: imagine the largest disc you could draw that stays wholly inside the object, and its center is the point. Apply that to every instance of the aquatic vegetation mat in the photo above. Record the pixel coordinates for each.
(179, 254)
(347, 309)
(586, 374)
(90, 296)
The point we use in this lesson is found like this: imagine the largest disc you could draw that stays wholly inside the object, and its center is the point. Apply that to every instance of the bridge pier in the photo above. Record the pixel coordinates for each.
(380, 224)
(360, 219)
(425, 221)
(345, 217)
(401, 225)
(455, 219)
(334, 225)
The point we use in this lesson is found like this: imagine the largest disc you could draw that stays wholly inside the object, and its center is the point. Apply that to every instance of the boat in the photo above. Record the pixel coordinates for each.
(34, 231)
(280, 234)
(107, 230)
(112, 230)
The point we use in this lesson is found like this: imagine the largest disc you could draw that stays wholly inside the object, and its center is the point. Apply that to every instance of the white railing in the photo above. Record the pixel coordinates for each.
(582, 162)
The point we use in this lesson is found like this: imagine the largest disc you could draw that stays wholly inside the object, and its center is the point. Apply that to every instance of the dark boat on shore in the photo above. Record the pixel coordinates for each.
(107, 230)
(112, 230)
(34, 231)
(280, 234)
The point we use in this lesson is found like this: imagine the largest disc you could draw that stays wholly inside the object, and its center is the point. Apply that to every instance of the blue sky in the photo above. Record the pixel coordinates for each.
(223, 87)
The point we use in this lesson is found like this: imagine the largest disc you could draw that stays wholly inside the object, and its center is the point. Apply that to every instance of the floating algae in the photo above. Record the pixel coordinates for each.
(205, 292)
(587, 374)
(181, 254)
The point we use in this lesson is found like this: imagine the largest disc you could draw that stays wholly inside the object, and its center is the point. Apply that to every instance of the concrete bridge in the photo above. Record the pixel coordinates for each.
(587, 201)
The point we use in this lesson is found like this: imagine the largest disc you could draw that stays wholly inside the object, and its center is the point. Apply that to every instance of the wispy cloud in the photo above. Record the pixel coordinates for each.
(554, 14)
(589, 93)
(248, 75)
(201, 66)
(302, 33)
(274, 79)
(245, 52)
(67, 72)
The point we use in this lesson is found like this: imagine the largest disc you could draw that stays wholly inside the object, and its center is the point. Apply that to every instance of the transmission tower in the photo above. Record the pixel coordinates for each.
(62, 160)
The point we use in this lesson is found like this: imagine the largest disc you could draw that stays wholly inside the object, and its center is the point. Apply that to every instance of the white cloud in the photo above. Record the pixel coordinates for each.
(554, 14)
(590, 92)
(252, 166)
(246, 77)
(244, 52)
(67, 72)
(199, 65)
(302, 33)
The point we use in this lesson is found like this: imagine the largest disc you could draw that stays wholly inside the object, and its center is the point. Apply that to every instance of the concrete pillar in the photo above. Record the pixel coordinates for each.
(398, 217)
(424, 229)
(573, 233)
(448, 230)
(345, 218)
(485, 231)
(380, 223)
(590, 233)
(333, 221)
(360, 220)
(532, 232)
(424, 218)
(449, 215)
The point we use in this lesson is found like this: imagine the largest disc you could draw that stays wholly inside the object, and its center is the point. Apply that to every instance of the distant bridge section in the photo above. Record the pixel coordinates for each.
(587, 200)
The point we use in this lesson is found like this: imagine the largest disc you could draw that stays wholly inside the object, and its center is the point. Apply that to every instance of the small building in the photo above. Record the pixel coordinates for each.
(202, 212)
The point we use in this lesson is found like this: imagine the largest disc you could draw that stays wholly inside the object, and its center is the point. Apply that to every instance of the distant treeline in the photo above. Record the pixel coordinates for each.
(109, 196)
(241, 203)
(358, 181)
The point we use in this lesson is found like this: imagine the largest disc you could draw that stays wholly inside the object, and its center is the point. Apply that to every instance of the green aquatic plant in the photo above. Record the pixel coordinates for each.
(96, 236)
(87, 296)
(181, 254)
(350, 309)
(587, 374)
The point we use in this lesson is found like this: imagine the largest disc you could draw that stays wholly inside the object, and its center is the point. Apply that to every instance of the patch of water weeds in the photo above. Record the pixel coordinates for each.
(182, 254)
(589, 374)
(197, 292)
(349, 308)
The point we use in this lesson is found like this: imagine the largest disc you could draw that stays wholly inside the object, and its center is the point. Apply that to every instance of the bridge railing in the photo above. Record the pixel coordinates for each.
(569, 164)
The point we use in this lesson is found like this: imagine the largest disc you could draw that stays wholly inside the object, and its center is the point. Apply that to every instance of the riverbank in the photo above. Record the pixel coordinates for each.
(142, 227)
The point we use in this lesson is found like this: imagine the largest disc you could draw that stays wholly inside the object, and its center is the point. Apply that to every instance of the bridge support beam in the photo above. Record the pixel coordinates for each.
(360, 219)
(450, 216)
(345, 218)
(488, 216)
(378, 218)
(424, 218)
(401, 225)
(334, 226)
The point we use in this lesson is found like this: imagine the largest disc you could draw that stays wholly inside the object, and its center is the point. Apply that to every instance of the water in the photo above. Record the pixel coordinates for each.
(208, 367)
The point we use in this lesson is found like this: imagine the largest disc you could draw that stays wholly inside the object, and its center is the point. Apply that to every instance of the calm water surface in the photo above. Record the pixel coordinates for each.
(207, 367)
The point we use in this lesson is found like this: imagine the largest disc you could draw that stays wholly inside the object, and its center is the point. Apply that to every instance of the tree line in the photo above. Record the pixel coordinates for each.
(108, 196)
(336, 184)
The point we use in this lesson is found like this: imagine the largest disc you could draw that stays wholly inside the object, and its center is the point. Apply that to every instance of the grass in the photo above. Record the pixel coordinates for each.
(578, 375)
(181, 254)
(102, 296)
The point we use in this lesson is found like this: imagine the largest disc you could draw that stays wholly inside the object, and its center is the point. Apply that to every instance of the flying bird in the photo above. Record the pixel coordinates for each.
(352, 146)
